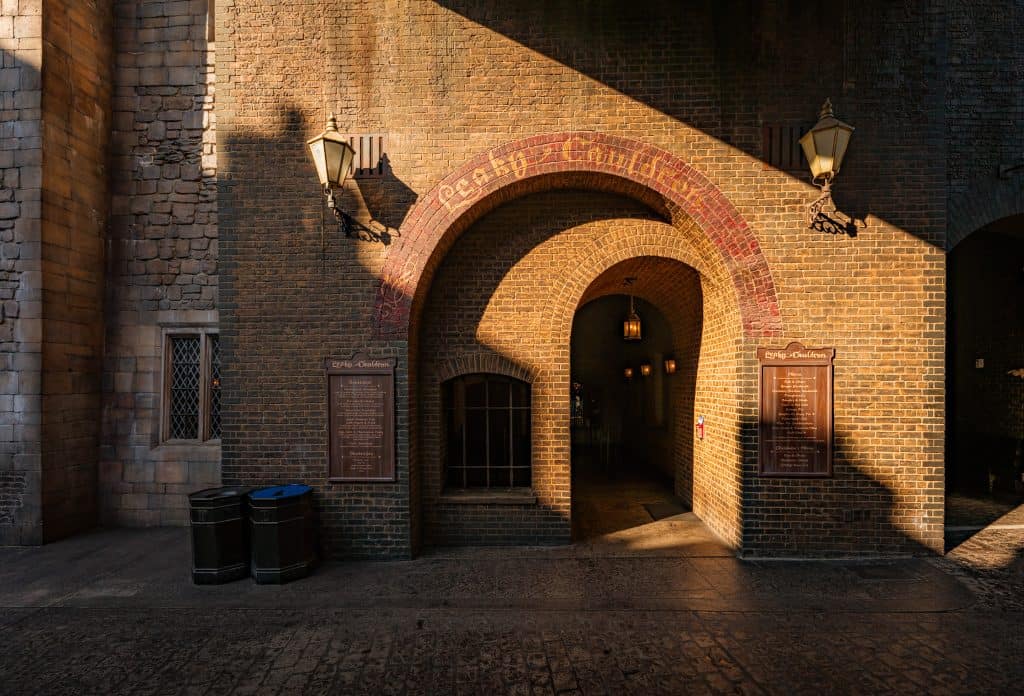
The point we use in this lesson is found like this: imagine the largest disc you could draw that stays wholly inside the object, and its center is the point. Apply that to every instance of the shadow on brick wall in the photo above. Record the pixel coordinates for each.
(802, 517)
(294, 291)
(732, 69)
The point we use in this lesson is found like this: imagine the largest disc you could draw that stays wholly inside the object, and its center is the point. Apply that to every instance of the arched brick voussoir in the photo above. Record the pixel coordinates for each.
(580, 160)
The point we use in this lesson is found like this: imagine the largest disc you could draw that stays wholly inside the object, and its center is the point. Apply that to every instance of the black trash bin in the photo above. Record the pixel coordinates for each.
(283, 530)
(220, 535)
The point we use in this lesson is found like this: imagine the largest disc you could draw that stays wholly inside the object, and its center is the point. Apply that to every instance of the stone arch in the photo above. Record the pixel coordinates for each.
(586, 160)
(974, 210)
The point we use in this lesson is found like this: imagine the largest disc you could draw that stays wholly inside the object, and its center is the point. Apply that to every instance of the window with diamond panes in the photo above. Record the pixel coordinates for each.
(185, 364)
(192, 395)
(214, 427)
(488, 432)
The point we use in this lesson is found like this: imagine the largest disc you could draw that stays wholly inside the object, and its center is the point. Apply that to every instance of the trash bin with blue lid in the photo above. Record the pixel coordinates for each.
(283, 533)
(220, 534)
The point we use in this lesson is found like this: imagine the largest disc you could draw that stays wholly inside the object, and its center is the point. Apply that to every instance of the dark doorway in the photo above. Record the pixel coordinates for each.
(623, 470)
(985, 375)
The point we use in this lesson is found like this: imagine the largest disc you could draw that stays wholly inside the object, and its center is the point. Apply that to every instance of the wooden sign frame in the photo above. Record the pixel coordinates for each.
(381, 373)
(804, 364)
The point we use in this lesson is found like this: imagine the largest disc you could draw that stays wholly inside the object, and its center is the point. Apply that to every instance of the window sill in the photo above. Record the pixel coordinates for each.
(502, 496)
(190, 443)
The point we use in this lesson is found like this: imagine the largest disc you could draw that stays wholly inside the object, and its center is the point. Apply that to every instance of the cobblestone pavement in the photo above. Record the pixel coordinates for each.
(71, 650)
(114, 612)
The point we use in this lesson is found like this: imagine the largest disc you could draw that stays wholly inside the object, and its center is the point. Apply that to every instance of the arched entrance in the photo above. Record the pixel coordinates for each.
(985, 371)
(633, 400)
(484, 282)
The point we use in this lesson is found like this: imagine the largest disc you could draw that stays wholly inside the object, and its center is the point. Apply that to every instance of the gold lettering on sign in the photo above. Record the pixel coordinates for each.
(796, 411)
(360, 424)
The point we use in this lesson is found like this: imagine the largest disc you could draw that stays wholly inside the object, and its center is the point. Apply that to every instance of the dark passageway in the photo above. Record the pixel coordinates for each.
(623, 475)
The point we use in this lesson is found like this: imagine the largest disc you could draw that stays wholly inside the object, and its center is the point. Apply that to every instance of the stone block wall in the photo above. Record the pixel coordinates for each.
(53, 220)
(162, 269)
(21, 160)
(77, 58)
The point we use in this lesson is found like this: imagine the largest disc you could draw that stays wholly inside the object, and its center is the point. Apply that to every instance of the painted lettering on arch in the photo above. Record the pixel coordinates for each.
(590, 152)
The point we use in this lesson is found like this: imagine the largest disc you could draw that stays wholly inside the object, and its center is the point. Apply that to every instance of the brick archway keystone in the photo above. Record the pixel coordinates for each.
(585, 160)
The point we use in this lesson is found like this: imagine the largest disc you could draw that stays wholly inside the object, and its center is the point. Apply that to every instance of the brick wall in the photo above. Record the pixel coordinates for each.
(447, 82)
(512, 314)
(162, 265)
(985, 122)
(21, 159)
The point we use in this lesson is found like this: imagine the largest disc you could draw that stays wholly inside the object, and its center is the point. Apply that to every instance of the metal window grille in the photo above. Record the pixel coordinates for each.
(488, 432)
(780, 144)
(185, 369)
(370, 160)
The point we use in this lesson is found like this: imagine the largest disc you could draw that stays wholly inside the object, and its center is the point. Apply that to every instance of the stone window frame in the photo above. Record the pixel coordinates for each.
(178, 329)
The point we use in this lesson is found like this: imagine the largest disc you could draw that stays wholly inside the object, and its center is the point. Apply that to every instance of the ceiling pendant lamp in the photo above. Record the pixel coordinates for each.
(631, 326)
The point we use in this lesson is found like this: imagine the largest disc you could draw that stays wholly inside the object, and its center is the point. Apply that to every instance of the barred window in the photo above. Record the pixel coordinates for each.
(192, 386)
(488, 431)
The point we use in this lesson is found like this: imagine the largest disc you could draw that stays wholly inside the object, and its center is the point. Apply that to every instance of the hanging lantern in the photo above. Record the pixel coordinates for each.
(332, 155)
(670, 366)
(645, 369)
(628, 372)
(631, 326)
(825, 145)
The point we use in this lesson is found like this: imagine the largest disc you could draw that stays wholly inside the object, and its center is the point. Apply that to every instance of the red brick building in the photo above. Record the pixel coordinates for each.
(175, 285)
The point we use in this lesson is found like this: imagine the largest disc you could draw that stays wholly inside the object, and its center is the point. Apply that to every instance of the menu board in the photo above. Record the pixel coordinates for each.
(796, 411)
(361, 419)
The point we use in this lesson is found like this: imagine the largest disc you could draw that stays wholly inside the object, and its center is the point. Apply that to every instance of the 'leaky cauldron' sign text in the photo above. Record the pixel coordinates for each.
(361, 419)
(796, 411)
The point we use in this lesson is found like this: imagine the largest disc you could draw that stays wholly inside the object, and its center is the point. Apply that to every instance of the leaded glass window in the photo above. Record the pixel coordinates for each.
(214, 386)
(192, 387)
(185, 367)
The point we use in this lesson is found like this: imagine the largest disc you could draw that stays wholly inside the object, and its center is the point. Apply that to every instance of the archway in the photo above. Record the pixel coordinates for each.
(985, 373)
(536, 222)
(633, 400)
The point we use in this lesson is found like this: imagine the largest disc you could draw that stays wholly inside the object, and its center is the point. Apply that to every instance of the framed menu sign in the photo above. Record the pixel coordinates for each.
(795, 411)
(361, 419)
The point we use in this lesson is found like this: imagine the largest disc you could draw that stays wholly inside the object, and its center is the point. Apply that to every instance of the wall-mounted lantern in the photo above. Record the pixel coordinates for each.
(631, 326)
(824, 147)
(670, 366)
(645, 370)
(628, 372)
(332, 157)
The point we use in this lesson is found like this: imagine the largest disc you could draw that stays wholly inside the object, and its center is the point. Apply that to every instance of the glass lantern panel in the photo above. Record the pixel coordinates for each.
(825, 147)
(316, 148)
(335, 156)
(842, 141)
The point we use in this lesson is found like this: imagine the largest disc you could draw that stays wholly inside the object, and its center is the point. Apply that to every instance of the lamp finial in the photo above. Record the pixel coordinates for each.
(332, 124)
(826, 109)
